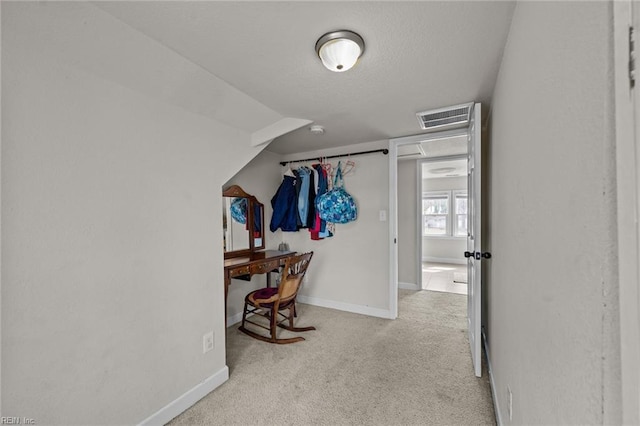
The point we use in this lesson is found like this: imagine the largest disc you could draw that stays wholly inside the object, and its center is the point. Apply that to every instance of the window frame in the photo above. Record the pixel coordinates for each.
(455, 193)
(451, 215)
(437, 195)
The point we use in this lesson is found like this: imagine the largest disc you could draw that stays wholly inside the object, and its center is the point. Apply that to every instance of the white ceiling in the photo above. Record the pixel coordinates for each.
(418, 56)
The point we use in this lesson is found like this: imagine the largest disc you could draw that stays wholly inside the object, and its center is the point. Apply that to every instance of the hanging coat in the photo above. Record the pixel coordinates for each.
(285, 206)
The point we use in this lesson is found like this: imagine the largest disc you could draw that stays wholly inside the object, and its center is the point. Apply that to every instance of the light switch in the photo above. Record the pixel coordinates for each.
(383, 215)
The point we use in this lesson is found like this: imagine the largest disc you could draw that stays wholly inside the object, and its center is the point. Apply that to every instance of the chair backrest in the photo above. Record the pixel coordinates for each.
(294, 269)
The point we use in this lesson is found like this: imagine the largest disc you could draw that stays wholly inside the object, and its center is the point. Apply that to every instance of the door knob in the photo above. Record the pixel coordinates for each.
(477, 255)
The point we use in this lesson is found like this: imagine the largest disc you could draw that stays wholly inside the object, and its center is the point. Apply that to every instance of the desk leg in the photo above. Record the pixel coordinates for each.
(269, 279)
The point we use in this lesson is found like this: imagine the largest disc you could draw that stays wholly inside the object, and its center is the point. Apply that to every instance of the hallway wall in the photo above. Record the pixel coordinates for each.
(552, 325)
(407, 222)
(111, 211)
(350, 271)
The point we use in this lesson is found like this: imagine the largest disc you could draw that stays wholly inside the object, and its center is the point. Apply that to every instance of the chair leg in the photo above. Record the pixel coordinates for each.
(269, 340)
(290, 327)
(244, 314)
(272, 323)
(292, 312)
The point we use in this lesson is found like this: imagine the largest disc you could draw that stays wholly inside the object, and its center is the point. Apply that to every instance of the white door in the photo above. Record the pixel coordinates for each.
(474, 253)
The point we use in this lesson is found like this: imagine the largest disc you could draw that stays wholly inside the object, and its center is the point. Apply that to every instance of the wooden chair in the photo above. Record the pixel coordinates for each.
(278, 304)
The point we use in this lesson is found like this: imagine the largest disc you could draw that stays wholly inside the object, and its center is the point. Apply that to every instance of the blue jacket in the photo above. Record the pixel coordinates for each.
(285, 206)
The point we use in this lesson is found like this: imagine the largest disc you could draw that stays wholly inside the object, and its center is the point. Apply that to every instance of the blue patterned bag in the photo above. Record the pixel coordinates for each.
(239, 210)
(336, 205)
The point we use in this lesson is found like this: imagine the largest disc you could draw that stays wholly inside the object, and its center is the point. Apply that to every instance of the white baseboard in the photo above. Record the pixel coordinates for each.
(234, 319)
(347, 307)
(496, 403)
(186, 400)
(444, 260)
(408, 286)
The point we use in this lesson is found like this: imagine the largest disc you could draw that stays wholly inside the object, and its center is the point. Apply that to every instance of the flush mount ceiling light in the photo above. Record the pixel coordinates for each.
(316, 129)
(442, 170)
(339, 50)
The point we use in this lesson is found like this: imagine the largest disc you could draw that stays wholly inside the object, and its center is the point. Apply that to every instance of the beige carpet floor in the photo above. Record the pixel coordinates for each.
(355, 370)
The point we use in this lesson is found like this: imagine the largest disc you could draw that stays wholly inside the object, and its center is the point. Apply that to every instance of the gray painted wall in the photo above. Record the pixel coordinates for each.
(407, 220)
(111, 210)
(552, 324)
(350, 270)
(110, 226)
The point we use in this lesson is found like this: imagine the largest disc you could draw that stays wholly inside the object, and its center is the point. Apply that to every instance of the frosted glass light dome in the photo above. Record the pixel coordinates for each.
(339, 50)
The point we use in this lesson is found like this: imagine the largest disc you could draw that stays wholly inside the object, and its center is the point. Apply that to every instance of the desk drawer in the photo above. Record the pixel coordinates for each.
(235, 272)
(262, 268)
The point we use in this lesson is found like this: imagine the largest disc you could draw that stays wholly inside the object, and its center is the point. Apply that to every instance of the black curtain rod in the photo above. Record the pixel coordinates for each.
(384, 151)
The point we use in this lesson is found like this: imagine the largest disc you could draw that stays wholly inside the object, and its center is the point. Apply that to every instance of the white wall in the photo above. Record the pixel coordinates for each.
(552, 326)
(444, 249)
(111, 209)
(407, 222)
(350, 271)
(445, 184)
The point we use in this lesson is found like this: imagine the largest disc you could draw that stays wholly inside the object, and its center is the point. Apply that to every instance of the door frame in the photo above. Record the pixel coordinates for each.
(627, 122)
(474, 238)
(393, 204)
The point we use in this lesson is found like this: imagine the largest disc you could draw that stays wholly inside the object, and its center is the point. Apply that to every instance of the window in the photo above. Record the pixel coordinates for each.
(460, 198)
(435, 213)
(444, 213)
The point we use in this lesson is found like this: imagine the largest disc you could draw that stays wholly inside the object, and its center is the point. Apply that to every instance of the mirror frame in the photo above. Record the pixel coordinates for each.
(237, 191)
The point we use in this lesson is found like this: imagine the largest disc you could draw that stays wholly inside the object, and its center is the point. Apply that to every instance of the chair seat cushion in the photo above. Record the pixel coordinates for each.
(265, 293)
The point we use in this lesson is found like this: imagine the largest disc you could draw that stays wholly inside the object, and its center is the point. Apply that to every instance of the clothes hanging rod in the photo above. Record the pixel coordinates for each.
(384, 151)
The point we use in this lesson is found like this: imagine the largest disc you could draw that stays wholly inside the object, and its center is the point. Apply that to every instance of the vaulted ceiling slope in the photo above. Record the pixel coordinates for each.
(418, 56)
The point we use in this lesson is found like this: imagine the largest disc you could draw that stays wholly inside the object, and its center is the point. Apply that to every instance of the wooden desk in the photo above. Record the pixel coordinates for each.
(259, 262)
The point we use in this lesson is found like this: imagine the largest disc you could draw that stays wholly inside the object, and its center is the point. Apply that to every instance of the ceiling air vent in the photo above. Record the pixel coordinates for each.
(445, 118)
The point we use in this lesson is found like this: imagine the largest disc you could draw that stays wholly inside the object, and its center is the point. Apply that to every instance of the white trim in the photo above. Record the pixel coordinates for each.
(393, 229)
(347, 307)
(1, 274)
(408, 286)
(496, 404)
(444, 237)
(187, 399)
(234, 319)
(444, 260)
(419, 241)
(627, 188)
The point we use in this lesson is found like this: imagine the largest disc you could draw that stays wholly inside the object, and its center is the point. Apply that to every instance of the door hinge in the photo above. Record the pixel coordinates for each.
(632, 58)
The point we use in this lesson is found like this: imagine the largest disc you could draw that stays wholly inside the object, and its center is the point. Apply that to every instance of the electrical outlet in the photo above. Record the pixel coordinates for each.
(207, 342)
(510, 403)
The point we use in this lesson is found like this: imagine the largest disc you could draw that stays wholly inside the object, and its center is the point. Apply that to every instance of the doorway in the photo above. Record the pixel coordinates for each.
(442, 223)
(470, 141)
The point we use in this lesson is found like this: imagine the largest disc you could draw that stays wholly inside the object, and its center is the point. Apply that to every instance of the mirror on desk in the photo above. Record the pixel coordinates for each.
(242, 222)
